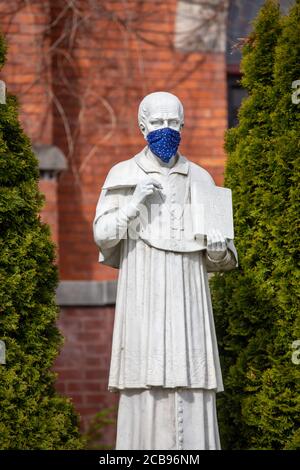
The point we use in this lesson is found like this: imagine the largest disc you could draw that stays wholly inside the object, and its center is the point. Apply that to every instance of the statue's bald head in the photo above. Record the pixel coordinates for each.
(160, 109)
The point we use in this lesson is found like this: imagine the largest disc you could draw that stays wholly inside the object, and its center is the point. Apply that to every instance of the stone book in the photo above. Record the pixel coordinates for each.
(212, 209)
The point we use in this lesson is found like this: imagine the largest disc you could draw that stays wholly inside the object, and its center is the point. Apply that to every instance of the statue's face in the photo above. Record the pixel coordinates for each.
(161, 113)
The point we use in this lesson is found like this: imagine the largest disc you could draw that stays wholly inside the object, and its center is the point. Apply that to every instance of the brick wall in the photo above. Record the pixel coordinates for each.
(82, 95)
(106, 75)
(28, 68)
(83, 363)
(79, 75)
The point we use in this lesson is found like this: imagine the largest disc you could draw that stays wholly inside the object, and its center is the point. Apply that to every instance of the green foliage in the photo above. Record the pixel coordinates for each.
(99, 424)
(257, 306)
(32, 414)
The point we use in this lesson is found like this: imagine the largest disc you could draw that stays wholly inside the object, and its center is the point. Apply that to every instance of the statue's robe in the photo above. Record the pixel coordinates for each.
(164, 358)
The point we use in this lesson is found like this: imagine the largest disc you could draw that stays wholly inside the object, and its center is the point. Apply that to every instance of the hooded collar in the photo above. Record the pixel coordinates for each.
(151, 166)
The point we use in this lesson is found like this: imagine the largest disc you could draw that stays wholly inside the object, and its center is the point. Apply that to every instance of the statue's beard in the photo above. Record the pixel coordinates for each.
(164, 143)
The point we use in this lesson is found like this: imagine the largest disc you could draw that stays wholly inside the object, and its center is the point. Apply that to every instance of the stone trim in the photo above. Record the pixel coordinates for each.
(86, 293)
(51, 160)
(200, 25)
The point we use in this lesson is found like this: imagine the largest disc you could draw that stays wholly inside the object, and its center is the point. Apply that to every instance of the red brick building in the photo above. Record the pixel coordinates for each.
(80, 70)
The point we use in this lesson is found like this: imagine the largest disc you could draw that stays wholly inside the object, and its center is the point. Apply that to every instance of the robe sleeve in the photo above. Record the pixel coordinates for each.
(114, 212)
(229, 262)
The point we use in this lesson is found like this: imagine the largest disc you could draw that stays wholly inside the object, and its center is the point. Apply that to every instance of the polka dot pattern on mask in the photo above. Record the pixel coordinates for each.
(164, 143)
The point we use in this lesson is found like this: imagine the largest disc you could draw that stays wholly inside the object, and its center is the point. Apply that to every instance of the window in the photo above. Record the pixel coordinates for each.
(240, 16)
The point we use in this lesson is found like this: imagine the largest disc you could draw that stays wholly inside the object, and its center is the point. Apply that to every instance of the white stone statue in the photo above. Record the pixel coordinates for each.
(164, 361)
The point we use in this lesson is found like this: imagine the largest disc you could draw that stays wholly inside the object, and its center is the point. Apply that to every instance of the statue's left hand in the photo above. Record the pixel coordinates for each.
(216, 245)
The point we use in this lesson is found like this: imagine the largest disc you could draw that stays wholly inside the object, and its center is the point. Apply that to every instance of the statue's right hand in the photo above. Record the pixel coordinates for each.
(144, 188)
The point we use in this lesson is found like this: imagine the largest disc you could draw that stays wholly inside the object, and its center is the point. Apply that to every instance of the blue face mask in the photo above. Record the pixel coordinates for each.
(164, 143)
